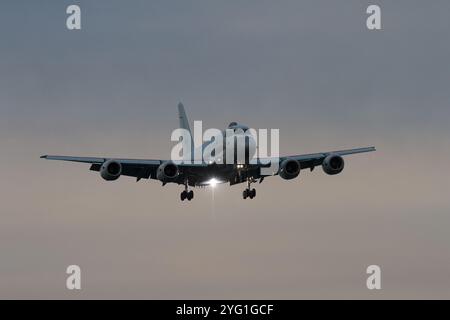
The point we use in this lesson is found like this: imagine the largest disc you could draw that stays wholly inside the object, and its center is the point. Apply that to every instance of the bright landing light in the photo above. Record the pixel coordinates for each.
(213, 182)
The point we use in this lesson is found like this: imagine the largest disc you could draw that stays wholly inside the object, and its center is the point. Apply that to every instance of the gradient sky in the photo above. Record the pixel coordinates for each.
(309, 68)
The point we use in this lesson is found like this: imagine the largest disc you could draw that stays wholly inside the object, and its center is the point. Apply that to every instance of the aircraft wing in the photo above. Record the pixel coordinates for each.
(130, 167)
(138, 168)
(146, 168)
(316, 159)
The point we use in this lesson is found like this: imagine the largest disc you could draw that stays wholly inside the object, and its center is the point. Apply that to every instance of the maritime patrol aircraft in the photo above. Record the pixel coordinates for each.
(192, 174)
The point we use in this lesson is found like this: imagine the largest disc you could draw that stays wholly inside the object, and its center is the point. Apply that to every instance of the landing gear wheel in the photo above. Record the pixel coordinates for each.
(249, 193)
(190, 195)
(183, 195)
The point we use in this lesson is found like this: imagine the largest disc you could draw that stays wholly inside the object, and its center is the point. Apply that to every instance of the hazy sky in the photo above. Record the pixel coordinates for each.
(310, 68)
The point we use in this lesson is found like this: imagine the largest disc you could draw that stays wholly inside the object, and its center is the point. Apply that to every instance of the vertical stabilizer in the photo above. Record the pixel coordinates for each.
(184, 123)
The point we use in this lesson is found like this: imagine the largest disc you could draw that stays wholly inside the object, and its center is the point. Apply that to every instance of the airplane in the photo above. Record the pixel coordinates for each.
(207, 173)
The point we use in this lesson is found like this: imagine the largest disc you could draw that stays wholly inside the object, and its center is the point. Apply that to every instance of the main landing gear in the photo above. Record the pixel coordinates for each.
(249, 193)
(189, 195)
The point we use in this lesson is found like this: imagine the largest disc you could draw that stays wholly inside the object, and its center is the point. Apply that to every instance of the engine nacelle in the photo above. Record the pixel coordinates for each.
(289, 169)
(333, 164)
(111, 170)
(167, 172)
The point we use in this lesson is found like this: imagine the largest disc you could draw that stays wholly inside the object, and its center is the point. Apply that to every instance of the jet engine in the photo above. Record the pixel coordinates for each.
(333, 164)
(167, 172)
(289, 169)
(111, 170)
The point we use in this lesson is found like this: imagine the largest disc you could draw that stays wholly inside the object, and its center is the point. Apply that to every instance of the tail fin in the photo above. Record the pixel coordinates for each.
(184, 122)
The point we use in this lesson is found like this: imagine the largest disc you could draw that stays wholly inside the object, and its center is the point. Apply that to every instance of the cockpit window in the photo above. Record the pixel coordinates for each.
(232, 124)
